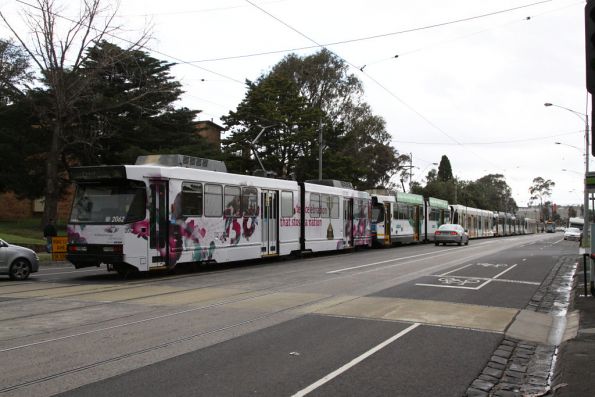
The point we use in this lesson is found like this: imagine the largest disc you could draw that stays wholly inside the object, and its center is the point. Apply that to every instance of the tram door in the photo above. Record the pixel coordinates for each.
(348, 221)
(158, 224)
(270, 221)
(388, 214)
(416, 222)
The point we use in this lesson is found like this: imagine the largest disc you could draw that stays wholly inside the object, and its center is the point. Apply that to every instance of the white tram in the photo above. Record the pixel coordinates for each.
(173, 209)
(478, 223)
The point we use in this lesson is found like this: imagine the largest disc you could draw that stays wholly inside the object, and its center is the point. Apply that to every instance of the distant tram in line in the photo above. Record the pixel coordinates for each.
(168, 210)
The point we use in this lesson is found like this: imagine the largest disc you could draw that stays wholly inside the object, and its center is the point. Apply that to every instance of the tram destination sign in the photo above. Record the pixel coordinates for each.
(97, 173)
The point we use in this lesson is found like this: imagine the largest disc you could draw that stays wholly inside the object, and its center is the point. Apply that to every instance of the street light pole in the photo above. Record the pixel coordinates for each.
(585, 119)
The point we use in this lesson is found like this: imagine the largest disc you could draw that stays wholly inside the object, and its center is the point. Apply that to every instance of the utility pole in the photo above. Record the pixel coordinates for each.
(320, 150)
(410, 170)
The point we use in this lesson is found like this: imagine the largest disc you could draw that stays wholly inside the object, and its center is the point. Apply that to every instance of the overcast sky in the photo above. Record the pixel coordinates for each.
(470, 80)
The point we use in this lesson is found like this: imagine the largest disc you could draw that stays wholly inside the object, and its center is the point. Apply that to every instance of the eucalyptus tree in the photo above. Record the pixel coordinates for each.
(310, 105)
(540, 190)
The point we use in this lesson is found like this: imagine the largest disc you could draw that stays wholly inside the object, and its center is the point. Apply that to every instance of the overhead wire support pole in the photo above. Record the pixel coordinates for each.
(584, 118)
(253, 146)
(320, 150)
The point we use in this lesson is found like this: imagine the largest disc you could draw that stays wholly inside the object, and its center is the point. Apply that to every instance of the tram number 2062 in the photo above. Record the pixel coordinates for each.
(115, 219)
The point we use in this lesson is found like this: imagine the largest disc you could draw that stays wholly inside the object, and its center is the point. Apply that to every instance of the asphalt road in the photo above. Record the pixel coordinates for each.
(408, 321)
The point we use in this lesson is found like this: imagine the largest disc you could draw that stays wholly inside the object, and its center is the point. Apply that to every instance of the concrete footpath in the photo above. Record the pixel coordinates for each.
(575, 371)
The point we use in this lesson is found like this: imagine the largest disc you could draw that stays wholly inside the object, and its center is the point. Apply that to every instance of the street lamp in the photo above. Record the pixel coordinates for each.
(585, 119)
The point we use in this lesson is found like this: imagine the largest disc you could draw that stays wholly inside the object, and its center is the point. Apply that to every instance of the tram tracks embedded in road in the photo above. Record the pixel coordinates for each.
(254, 295)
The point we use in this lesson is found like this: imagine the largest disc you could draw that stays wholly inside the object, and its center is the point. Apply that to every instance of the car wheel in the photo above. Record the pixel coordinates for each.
(20, 269)
(437, 243)
(467, 242)
(460, 242)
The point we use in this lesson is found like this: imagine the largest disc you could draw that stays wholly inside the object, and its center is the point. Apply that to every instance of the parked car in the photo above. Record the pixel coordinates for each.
(572, 233)
(451, 233)
(16, 261)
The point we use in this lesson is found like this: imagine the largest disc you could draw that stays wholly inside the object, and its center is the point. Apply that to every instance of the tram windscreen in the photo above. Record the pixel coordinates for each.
(378, 213)
(109, 203)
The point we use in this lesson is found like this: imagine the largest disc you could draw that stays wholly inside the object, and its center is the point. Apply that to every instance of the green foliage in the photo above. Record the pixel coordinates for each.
(14, 71)
(444, 169)
(489, 192)
(295, 101)
(128, 110)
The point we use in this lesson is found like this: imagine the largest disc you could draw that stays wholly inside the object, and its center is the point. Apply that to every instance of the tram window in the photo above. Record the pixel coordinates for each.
(314, 205)
(435, 215)
(286, 204)
(191, 199)
(232, 201)
(324, 204)
(213, 200)
(334, 207)
(249, 201)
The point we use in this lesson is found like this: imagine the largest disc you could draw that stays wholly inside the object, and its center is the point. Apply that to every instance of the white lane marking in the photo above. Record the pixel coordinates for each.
(354, 362)
(450, 286)
(460, 268)
(558, 241)
(501, 273)
(388, 261)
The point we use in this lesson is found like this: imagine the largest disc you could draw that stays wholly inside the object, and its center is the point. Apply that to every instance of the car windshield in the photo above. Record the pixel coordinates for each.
(109, 203)
(572, 230)
(448, 227)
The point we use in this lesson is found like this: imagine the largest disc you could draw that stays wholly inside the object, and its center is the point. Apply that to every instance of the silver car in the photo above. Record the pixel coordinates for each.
(451, 233)
(16, 261)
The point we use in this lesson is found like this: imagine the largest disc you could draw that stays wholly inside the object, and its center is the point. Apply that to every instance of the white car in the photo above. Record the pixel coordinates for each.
(572, 233)
(16, 261)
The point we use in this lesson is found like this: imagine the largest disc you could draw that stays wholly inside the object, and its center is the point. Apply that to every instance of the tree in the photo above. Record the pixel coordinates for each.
(129, 110)
(299, 100)
(15, 72)
(59, 60)
(541, 189)
(492, 192)
(444, 169)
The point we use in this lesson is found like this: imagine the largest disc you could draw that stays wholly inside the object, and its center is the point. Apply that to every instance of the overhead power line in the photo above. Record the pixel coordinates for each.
(178, 60)
(493, 142)
(365, 38)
